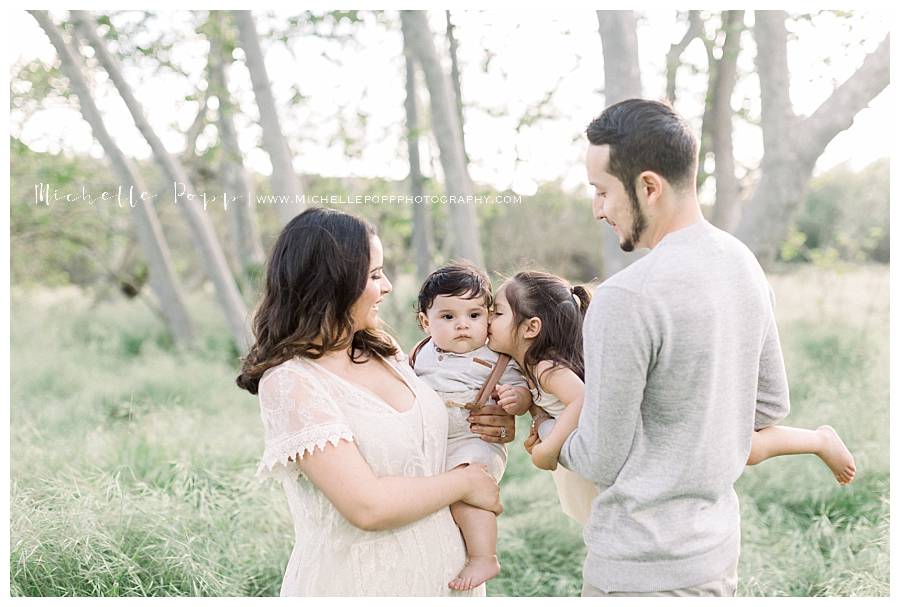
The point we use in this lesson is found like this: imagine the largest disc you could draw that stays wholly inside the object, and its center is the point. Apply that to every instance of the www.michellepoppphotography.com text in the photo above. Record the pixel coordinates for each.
(129, 196)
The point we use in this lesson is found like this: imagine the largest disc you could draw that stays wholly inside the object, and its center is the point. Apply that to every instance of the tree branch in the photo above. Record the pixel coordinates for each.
(837, 112)
(197, 126)
(673, 57)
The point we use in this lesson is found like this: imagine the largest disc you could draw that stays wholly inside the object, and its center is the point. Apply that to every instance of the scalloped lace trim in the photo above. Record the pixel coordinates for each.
(277, 461)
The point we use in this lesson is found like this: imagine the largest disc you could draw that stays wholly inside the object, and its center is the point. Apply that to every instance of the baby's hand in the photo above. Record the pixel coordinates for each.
(543, 457)
(515, 400)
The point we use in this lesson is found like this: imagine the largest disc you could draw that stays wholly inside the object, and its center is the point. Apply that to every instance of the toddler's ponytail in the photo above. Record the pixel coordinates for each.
(584, 298)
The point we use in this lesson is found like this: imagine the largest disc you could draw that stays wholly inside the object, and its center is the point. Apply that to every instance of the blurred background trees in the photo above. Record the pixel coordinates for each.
(156, 252)
(131, 450)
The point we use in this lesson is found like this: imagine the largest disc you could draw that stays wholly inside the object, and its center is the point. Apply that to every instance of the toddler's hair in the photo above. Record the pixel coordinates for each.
(454, 280)
(561, 308)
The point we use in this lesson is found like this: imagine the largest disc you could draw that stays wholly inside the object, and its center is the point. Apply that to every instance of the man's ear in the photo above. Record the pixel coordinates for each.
(650, 184)
(532, 327)
(423, 320)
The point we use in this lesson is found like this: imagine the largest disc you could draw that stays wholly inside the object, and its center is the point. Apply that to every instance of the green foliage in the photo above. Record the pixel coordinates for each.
(844, 219)
(75, 243)
(846, 216)
(132, 464)
(34, 84)
(48, 244)
(553, 230)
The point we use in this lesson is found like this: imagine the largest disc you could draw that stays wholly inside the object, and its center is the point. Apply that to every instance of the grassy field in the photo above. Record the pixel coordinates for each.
(132, 466)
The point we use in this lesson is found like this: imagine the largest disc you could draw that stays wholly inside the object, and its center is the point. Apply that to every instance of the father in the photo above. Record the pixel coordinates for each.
(682, 363)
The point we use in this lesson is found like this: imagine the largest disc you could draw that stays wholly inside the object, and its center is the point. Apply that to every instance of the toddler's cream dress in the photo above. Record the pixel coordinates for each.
(574, 491)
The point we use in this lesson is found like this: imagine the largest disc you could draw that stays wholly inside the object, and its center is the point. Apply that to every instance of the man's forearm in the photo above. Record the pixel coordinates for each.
(616, 358)
(575, 456)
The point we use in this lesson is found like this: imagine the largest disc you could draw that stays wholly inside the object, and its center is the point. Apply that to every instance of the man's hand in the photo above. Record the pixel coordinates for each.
(493, 424)
(515, 400)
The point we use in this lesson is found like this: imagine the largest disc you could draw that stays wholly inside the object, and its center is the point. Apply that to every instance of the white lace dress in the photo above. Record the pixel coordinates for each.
(305, 407)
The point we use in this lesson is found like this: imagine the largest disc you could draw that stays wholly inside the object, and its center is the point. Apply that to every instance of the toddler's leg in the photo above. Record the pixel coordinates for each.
(823, 442)
(479, 530)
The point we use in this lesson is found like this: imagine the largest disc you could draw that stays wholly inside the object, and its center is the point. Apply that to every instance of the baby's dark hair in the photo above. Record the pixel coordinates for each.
(454, 280)
(561, 308)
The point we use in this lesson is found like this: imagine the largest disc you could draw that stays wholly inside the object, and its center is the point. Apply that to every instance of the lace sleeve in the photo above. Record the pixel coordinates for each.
(299, 416)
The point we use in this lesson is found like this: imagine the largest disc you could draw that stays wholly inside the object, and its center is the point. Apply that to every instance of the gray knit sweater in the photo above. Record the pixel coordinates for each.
(682, 363)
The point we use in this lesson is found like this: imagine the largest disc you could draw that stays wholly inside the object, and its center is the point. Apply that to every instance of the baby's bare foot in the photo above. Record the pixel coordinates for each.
(478, 570)
(836, 455)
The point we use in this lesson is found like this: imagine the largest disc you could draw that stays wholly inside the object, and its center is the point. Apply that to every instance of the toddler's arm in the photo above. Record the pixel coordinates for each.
(545, 454)
(568, 388)
(515, 400)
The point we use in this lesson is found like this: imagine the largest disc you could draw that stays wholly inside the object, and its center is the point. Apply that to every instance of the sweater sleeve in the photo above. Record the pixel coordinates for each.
(772, 394)
(617, 355)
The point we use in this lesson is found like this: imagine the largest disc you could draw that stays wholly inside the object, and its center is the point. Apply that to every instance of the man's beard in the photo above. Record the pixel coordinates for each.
(638, 224)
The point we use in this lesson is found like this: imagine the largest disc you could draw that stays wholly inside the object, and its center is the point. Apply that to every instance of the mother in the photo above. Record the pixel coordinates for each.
(356, 439)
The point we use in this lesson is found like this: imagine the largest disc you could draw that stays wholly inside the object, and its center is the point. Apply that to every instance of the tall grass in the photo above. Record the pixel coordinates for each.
(132, 464)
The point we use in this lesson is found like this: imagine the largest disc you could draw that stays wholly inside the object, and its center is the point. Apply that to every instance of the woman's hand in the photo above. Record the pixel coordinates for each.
(484, 492)
(515, 400)
(493, 424)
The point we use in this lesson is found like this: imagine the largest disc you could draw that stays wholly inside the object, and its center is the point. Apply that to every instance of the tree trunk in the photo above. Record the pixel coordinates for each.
(621, 69)
(455, 79)
(242, 213)
(285, 181)
(706, 125)
(204, 237)
(792, 145)
(463, 221)
(421, 236)
(163, 281)
(621, 80)
(726, 211)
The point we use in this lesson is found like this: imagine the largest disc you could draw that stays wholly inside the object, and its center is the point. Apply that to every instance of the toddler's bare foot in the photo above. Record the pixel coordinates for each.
(836, 455)
(478, 570)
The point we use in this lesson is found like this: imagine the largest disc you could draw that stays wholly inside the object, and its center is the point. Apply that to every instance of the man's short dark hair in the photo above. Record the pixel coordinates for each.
(454, 280)
(646, 135)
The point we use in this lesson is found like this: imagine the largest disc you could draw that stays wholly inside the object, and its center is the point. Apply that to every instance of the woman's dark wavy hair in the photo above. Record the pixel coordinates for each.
(317, 269)
(553, 300)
